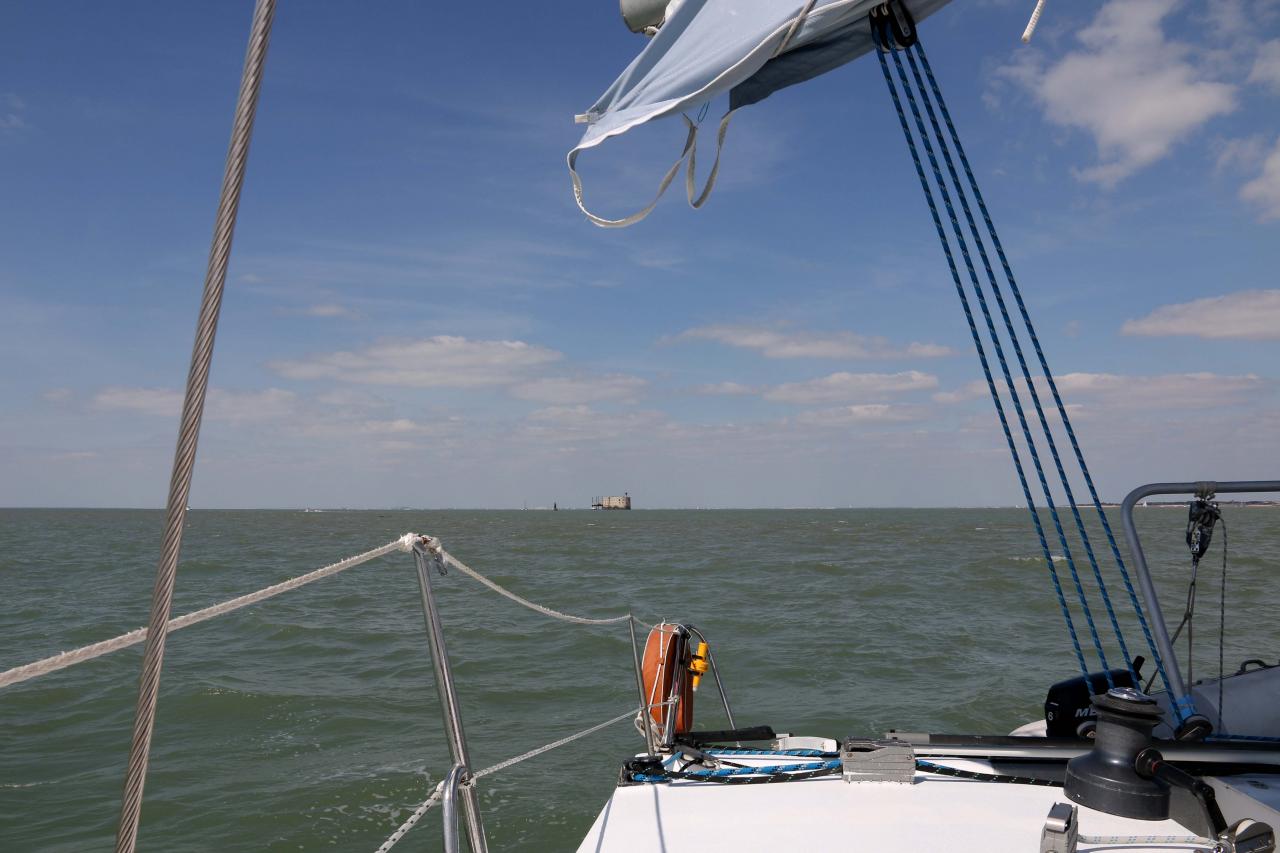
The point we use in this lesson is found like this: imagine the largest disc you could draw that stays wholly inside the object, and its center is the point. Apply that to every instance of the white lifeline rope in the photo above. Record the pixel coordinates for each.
(502, 765)
(70, 658)
(413, 819)
(1192, 841)
(433, 545)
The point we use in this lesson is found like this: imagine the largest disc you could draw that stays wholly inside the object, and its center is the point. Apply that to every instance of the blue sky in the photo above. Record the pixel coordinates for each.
(417, 314)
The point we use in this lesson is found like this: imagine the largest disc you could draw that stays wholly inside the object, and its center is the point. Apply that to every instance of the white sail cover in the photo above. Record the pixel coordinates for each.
(747, 48)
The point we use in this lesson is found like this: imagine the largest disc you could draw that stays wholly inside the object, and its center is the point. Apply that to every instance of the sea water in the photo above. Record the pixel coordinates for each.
(311, 721)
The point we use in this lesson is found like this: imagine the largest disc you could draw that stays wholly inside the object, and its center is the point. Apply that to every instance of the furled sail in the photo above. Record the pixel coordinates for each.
(705, 48)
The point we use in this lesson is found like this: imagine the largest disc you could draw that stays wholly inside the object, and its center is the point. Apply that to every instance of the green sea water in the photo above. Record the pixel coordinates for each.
(310, 722)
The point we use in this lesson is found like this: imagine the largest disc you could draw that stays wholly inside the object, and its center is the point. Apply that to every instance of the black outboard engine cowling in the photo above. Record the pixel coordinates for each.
(1068, 708)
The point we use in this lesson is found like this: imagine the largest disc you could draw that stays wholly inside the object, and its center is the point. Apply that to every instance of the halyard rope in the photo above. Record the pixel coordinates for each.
(1000, 357)
(501, 765)
(1018, 351)
(977, 341)
(1044, 367)
(434, 547)
(94, 650)
(189, 432)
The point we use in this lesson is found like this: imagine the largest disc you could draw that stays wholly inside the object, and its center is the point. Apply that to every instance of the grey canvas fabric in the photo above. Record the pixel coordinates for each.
(709, 47)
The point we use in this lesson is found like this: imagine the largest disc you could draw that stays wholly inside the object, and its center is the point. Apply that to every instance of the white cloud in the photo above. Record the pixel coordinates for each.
(1248, 315)
(1266, 67)
(1135, 91)
(774, 343)
(57, 395)
(1264, 190)
(839, 387)
(563, 390)
(1240, 154)
(235, 406)
(146, 401)
(11, 107)
(861, 414)
(443, 361)
(327, 309)
(1170, 390)
(391, 429)
(1115, 392)
(725, 389)
(564, 414)
(582, 423)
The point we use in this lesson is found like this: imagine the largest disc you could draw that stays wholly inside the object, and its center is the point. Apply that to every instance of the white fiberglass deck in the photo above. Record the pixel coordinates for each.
(936, 813)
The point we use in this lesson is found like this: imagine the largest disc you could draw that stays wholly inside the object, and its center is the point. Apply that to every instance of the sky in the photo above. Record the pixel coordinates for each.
(417, 314)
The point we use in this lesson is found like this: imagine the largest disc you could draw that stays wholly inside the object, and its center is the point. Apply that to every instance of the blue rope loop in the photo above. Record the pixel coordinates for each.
(977, 341)
(799, 772)
(1048, 374)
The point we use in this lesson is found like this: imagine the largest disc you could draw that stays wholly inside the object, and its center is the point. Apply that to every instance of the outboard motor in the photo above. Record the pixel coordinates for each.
(1068, 707)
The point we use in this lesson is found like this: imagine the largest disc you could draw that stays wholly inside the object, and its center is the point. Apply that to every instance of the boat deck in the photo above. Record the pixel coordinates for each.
(933, 813)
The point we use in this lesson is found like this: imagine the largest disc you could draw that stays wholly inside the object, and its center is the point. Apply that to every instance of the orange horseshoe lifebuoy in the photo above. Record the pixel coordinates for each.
(664, 661)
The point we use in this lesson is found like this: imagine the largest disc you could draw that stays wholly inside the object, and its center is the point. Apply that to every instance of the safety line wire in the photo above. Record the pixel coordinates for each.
(1048, 374)
(436, 550)
(501, 765)
(65, 659)
(981, 350)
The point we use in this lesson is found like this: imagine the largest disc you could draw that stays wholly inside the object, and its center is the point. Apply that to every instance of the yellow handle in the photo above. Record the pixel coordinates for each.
(698, 664)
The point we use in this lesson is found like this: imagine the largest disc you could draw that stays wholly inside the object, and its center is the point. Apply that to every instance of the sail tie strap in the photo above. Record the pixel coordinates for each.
(687, 159)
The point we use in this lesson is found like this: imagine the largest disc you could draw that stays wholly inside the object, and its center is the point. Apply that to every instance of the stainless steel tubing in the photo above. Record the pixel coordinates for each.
(649, 743)
(724, 697)
(449, 807)
(1159, 629)
(448, 696)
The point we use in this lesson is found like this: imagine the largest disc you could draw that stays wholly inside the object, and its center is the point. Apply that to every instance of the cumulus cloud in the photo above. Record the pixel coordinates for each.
(393, 431)
(775, 343)
(563, 390)
(1247, 315)
(1266, 66)
(222, 405)
(583, 423)
(1264, 190)
(1137, 92)
(725, 389)
(327, 309)
(1116, 392)
(11, 107)
(57, 395)
(1170, 390)
(443, 361)
(840, 387)
(1243, 153)
(860, 414)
